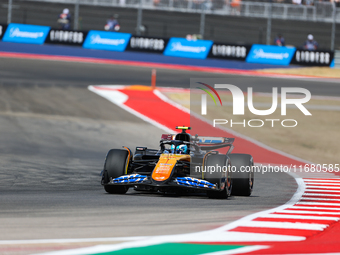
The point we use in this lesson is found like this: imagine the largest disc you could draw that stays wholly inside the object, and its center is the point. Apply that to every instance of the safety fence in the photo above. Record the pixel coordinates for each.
(176, 47)
(326, 13)
(319, 11)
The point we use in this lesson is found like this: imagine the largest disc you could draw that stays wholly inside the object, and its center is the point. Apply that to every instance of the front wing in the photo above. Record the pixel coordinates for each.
(181, 182)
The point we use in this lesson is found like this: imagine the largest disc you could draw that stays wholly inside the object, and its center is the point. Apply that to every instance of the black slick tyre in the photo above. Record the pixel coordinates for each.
(115, 166)
(221, 178)
(243, 174)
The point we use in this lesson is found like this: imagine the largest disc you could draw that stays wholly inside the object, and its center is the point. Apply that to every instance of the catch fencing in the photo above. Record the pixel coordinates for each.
(174, 47)
(325, 12)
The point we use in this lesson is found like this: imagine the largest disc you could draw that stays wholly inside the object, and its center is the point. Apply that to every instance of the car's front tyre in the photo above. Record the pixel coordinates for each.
(115, 165)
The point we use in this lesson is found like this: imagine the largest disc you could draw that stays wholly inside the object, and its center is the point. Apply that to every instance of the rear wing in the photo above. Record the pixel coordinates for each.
(208, 140)
(201, 139)
(205, 143)
(208, 143)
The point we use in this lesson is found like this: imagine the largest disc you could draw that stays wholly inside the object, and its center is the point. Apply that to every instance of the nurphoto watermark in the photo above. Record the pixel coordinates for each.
(239, 103)
(270, 168)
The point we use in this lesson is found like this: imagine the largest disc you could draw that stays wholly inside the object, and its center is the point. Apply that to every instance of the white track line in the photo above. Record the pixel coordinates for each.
(320, 194)
(317, 203)
(235, 236)
(239, 250)
(112, 248)
(323, 253)
(118, 98)
(313, 180)
(320, 199)
(285, 225)
(169, 101)
(323, 184)
(280, 216)
(207, 236)
(296, 197)
(321, 191)
(307, 212)
(309, 207)
(76, 240)
(318, 177)
(326, 188)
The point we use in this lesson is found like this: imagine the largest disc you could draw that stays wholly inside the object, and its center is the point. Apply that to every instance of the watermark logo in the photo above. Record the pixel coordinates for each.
(204, 97)
(239, 104)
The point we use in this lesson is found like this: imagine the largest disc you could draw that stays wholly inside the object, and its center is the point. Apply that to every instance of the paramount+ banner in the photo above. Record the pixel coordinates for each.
(21, 33)
(101, 40)
(181, 47)
(267, 54)
(276, 55)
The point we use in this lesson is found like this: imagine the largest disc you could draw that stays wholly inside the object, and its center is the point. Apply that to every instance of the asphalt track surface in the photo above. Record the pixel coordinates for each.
(54, 137)
(57, 73)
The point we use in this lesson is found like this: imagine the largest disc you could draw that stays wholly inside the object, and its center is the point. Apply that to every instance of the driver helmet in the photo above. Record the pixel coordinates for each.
(181, 149)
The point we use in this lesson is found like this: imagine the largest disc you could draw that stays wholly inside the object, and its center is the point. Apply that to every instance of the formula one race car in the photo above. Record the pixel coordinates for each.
(183, 163)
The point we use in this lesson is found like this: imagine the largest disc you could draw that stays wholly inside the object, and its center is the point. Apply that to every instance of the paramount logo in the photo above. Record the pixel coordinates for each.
(15, 32)
(270, 55)
(96, 39)
(177, 46)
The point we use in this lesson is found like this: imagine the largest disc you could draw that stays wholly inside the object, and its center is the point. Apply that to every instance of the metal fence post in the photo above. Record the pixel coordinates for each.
(337, 59)
(269, 23)
(139, 17)
(9, 12)
(76, 16)
(202, 23)
(333, 27)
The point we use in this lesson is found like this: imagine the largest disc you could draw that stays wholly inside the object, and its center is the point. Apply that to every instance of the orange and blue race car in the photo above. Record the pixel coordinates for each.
(183, 163)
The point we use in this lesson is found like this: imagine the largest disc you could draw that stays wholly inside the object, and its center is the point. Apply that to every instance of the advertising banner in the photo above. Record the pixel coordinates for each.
(266, 54)
(313, 58)
(180, 47)
(229, 51)
(22, 33)
(2, 30)
(57, 36)
(102, 40)
(148, 44)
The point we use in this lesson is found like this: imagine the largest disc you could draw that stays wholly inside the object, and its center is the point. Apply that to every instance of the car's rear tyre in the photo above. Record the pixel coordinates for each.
(221, 178)
(243, 174)
(115, 166)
